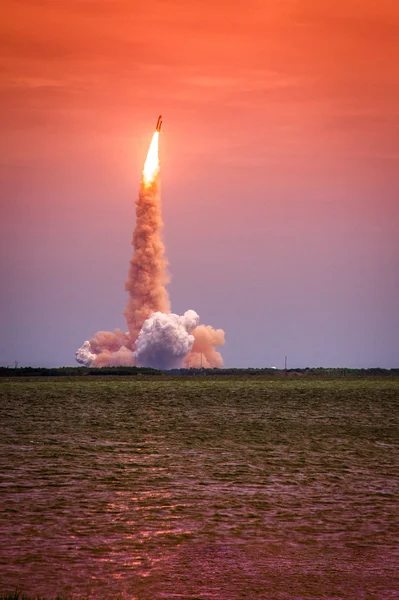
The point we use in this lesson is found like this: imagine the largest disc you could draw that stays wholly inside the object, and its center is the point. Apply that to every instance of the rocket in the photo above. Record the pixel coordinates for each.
(159, 124)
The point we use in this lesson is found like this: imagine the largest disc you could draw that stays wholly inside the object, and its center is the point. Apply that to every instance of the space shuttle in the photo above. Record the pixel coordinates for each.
(159, 124)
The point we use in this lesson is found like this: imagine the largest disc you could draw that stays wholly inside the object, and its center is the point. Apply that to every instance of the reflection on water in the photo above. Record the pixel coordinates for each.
(199, 489)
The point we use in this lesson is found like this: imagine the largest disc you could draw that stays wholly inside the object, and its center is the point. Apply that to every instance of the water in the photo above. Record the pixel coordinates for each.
(168, 488)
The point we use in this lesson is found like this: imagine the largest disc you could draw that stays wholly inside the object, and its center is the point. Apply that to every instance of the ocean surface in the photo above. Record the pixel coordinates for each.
(213, 489)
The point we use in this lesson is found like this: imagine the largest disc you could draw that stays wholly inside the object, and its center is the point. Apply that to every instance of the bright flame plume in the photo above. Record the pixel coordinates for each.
(151, 165)
(155, 337)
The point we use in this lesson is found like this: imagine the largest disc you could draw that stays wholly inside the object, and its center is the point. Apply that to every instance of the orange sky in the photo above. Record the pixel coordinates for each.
(289, 107)
(239, 72)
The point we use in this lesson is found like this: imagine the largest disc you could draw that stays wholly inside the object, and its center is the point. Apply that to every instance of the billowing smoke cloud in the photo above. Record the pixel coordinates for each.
(155, 338)
(164, 340)
(84, 355)
(123, 357)
(107, 349)
(203, 353)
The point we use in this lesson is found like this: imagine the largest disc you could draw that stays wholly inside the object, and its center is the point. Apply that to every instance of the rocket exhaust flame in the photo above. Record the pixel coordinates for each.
(151, 165)
(156, 337)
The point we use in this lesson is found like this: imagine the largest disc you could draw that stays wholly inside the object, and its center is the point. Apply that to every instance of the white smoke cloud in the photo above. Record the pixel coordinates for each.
(84, 355)
(165, 340)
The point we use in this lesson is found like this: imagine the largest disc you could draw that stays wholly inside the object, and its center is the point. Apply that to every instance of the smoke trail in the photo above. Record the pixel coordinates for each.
(155, 337)
(147, 275)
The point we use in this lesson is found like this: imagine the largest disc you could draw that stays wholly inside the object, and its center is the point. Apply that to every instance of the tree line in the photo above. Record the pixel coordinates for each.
(136, 371)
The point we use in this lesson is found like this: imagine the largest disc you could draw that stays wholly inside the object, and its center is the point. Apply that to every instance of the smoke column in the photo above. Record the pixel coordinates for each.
(148, 268)
(155, 337)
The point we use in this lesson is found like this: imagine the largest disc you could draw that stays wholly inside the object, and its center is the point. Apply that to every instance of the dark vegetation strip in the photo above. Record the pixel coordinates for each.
(134, 371)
